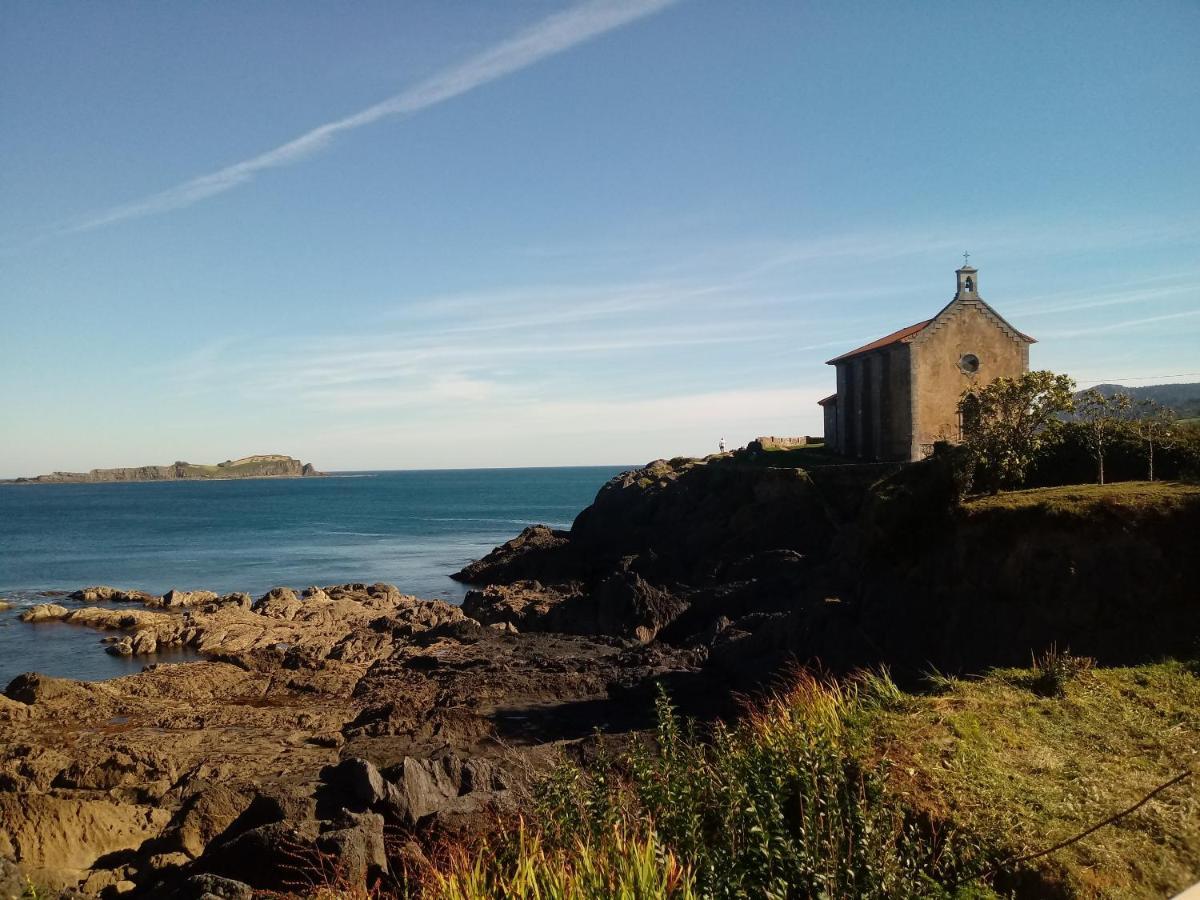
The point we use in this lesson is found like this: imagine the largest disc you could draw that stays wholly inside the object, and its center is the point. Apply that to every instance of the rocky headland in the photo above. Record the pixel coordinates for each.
(267, 465)
(358, 724)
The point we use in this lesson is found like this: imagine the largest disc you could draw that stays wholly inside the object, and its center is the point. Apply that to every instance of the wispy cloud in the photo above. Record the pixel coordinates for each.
(1145, 290)
(663, 357)
(1130, 323)
(552, 35)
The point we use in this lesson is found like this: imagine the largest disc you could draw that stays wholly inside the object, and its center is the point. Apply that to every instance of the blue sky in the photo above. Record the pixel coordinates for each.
(435, 234)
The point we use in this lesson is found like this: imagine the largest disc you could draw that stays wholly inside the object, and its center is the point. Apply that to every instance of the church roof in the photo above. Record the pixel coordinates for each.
(893, 338)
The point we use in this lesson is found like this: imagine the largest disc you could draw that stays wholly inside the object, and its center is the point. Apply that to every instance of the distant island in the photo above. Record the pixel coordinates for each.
(266, 465)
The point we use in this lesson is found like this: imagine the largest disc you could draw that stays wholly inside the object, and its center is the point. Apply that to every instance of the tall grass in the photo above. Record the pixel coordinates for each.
(623, 866)
(777, 806)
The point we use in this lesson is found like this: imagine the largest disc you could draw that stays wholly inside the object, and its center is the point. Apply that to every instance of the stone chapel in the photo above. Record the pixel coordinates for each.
(898, 395)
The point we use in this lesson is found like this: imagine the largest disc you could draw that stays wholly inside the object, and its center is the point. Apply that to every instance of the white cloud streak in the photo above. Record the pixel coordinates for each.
(549, 37)
(1131, 323)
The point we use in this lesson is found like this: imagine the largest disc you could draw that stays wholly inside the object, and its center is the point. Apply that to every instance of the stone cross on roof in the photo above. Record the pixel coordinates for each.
(966, 259)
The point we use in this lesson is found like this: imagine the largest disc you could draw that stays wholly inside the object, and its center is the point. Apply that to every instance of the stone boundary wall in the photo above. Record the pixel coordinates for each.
(774, 441)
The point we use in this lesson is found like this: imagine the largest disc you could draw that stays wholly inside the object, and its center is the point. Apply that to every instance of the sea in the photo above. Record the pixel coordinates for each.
(408, 528)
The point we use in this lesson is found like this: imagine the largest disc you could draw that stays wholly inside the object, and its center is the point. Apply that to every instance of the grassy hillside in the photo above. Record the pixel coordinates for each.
(862, 790)
(1088, 499)
(1026, 758)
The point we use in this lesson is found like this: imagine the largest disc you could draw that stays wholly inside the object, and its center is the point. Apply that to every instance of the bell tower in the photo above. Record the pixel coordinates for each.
(968, 279)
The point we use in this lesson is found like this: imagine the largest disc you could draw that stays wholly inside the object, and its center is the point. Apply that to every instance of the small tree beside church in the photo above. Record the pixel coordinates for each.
(1152, 423)
(1104, 420)
(1005, 423)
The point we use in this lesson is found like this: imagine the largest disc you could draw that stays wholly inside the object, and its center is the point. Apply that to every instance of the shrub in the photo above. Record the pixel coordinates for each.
(1053, 670)
(779, 805)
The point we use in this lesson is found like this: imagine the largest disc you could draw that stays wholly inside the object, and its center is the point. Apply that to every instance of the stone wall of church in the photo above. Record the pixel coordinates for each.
(832, 440)
(895, 431)
(874, 404)
(942, 369)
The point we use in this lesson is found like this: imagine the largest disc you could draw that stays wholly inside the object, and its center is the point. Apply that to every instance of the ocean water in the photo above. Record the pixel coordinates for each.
(411, 529)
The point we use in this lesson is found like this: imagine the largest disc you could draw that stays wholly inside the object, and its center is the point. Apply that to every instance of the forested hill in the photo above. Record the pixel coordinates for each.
(1184, 399)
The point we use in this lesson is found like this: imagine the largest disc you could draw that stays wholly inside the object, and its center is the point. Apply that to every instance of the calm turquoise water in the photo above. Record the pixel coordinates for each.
(408, 528)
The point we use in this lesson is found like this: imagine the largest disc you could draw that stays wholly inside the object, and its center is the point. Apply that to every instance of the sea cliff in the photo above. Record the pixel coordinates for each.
(270, 465)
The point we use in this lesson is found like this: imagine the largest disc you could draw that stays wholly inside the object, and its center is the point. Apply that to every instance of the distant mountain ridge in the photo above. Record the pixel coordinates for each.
(265, 465)
(1183, 399)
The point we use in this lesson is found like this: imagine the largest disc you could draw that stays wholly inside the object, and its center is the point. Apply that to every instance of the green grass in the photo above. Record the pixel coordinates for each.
(862, 790)
(805, 457)
(1082, 499)
(1022, 770)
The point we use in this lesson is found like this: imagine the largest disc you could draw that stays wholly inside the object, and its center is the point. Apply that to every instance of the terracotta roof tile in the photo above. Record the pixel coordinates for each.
(892, 338)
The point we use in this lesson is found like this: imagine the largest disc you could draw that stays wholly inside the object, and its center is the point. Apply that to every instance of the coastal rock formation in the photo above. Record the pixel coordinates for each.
(354, 623)
(105, 594)
(321, 717)
(623, 605)
(268, 465)
(853, 566)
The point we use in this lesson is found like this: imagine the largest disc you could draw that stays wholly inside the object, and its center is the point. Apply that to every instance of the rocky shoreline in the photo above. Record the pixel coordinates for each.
(353, 722)
(318, 719)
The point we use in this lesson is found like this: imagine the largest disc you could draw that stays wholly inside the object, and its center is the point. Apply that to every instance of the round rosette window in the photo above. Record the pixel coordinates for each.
(969, 363)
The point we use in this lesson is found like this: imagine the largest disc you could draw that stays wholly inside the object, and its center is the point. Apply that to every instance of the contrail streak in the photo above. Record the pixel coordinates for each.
(550, 36)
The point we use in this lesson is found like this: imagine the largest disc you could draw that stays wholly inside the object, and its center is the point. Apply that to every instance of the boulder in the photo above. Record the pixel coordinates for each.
(522, 605)
(207, 886)
(204, 817)
(57, 839)
(422, 786)
(158, 865)
(144, 642)
(123, 647)
(12, 882)
(105, 594)
(33, 687)
(271, 857)
(279, 603)
(237, 598)
(98, 881)
(175, 599)
(44, 612)
(359, 785)
(468, 816)
(537, 552)
(356, 849)
(623, 604)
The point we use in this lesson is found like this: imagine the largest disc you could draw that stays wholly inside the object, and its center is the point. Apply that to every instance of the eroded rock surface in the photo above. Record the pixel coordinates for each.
(319, 718)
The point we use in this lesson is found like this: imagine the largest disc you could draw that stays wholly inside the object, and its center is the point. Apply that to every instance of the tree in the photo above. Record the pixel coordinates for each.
(1005, 423)
(1103, 419)
(1152, 423)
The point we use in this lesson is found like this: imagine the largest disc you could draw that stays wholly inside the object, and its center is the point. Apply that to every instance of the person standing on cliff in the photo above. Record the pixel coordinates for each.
(721, 445)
